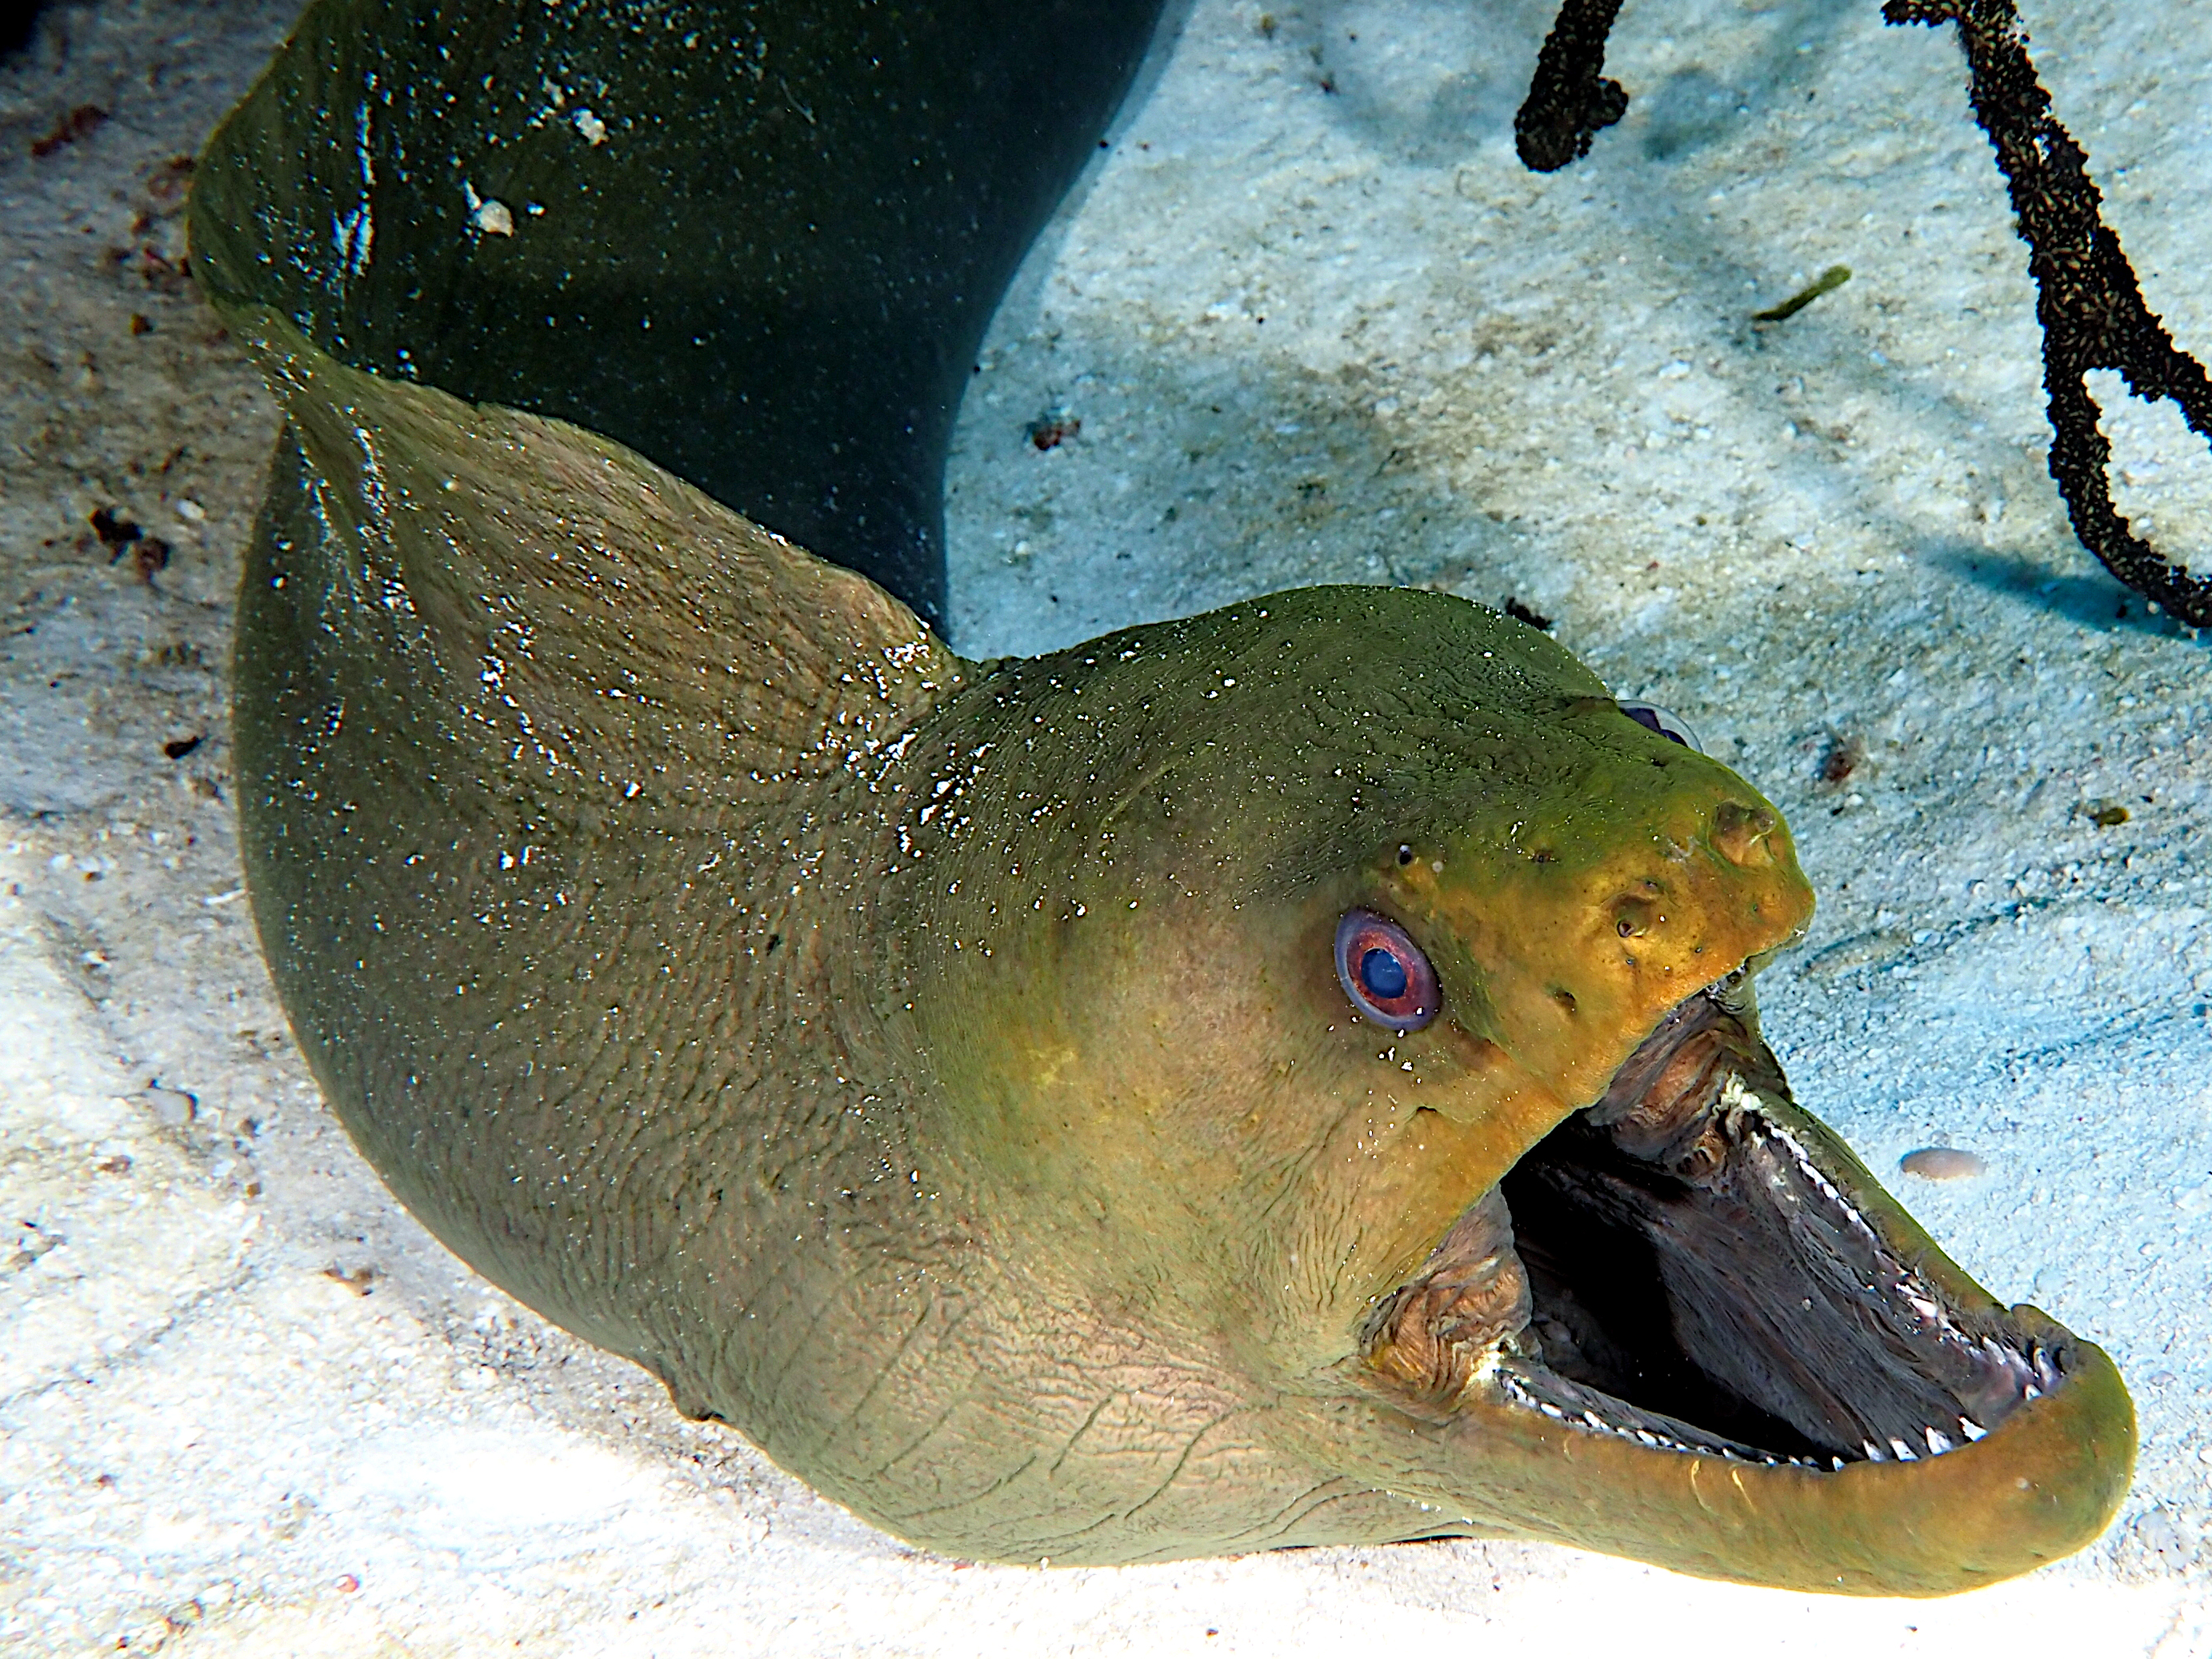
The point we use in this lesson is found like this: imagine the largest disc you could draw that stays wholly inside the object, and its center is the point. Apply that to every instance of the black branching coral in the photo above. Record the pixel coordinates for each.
(2088, 302)
(1570, 102)
(2086, 298)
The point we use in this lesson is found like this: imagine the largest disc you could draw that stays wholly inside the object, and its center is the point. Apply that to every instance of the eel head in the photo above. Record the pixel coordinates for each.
(1370, 994)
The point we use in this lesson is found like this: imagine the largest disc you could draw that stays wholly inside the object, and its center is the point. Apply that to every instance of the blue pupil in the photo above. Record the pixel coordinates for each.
(1649, 721)
(1383, 974)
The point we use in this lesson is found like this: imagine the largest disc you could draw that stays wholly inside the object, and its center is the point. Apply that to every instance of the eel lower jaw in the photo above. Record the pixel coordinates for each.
(1694, 1266)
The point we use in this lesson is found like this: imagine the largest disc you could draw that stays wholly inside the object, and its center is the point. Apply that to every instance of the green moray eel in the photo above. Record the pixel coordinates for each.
(1287, 1076)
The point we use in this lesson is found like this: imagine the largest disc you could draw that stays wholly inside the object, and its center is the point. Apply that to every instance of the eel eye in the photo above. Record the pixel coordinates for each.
(1668, 724)
(1384, 973)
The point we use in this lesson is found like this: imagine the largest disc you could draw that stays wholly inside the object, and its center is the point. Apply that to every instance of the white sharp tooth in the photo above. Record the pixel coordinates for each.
(2046, 1367)
(1647, 1437)
(1924, 1307)
(1838, 1462)
(1874, 1454)
(1550, 1410)
(2031, 1391)
(1905, 1453)
(1938, 1443)
(1595, 1420)
(1970, 1429)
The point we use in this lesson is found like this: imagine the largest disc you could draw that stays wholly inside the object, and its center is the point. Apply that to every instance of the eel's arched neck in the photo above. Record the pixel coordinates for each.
(563, 788)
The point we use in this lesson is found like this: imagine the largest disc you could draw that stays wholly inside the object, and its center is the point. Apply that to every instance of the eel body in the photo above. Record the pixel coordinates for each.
(1286, 1076)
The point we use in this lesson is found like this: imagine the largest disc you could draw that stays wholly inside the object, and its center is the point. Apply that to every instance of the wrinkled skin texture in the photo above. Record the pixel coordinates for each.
(940, 1070)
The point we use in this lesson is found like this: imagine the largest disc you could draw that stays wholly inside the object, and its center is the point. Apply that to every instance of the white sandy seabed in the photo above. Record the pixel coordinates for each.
(1316, 324)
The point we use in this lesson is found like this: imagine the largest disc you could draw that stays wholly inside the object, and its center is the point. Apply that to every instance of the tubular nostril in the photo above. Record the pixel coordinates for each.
(1741, 832)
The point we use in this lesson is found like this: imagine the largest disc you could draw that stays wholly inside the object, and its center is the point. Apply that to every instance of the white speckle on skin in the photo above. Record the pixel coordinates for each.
(488, 215)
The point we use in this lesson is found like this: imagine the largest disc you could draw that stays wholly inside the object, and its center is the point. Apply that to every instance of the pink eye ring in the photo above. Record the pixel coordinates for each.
(1384, 973)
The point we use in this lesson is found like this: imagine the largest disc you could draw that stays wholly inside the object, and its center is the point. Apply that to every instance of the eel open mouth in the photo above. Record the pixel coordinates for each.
(1672, 1264)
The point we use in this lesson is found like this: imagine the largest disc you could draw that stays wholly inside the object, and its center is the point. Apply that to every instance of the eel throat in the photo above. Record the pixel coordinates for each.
(1686, 1264)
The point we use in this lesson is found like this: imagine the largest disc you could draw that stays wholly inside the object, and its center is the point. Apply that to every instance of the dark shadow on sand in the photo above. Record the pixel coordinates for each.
(2091, 600)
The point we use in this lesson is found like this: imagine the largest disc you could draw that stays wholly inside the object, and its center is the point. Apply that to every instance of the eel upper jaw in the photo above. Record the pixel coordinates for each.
(1674, 1266)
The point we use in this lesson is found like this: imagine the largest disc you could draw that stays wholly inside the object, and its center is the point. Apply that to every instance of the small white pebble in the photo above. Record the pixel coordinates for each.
(1943, 1164)
(173, 1108)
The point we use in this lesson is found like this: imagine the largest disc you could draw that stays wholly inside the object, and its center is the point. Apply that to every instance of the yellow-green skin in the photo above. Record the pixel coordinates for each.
(939, 1070)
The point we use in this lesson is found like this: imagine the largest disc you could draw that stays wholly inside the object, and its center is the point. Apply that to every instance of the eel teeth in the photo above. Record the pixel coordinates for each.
(1970, 1429)
(1937, 1443)
(2046, 1369)
(1874, 1454)
(1905, 1453)
(1515, 1390)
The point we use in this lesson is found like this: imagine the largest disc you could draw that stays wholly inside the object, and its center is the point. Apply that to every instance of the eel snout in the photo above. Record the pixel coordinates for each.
(1692, 1264)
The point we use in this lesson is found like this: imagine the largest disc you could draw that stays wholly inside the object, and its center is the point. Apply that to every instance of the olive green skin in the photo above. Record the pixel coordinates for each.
(936, 1069)
(939, 1070)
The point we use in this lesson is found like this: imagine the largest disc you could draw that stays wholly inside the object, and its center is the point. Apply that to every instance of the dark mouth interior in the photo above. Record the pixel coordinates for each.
(1673, 1266)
